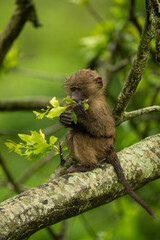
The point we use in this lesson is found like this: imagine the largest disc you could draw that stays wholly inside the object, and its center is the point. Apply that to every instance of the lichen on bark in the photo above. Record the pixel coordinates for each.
(73, 194)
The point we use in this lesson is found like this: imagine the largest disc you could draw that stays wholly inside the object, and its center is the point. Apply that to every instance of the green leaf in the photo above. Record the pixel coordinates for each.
(18, 149)
(56, 153)
(41, 149)
(64, 148)
(74, 117)
(56, 112)
(39, 115)
(25, 137)
(10, 144)
(42, 135)
(69, 101)
(35, 145)
(38, 137)
(54, 102)
(86, 105)
(52, 140)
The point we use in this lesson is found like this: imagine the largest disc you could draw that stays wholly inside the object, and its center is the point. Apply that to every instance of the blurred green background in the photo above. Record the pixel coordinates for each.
(72, 37)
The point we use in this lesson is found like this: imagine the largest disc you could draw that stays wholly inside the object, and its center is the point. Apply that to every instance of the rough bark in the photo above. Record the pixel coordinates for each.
(129, 115)
(73, 194)
(138, 65)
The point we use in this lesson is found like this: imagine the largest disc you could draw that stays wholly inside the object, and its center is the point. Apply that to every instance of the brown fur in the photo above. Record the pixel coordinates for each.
(91, 140)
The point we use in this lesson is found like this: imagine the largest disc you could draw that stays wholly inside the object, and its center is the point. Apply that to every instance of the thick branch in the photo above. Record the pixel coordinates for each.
(73, 194)
(24, 104)
(156, 6)
(25, 11)
(129, 115)
(138, 65)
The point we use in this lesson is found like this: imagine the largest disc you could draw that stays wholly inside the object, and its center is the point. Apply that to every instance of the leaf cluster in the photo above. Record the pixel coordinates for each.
(35, 146)
(55, 110)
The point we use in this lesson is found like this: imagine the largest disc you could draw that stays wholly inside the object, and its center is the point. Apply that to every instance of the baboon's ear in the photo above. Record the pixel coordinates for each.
(99, 82)
(67, 79)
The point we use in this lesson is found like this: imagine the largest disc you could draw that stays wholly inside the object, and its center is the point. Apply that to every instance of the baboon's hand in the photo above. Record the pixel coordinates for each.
(79, 110)
(66, 118)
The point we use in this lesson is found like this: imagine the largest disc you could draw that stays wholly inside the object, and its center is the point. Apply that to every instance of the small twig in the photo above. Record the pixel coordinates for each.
(88, 227)
(129, 115)
(61, 235)
(15, 185)
(63, 230)
(62, 161)
(52, 234)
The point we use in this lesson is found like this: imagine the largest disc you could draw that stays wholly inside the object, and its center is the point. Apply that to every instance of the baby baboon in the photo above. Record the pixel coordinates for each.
(91, 140)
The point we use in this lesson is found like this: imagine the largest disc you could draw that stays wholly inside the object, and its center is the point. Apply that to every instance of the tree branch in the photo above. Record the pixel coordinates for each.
(129, 115)
(73, 194)
(24, 12)
(138, 65)
(24, 104)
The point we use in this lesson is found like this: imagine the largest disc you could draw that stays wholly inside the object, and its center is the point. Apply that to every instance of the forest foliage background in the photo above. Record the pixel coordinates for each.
(75, 36)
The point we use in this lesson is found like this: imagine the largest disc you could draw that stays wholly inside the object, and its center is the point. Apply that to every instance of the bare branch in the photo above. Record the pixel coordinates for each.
(24, 104)
(24, 12)
(73, 194)
(129, 115)
(138, 65)
(15, 185)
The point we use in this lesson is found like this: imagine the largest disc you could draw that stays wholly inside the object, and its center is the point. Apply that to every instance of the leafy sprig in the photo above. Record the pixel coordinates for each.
(35, 146)
(55, 110)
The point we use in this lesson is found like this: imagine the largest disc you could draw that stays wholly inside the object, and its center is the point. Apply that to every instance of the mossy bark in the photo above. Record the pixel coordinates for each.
(73, 194)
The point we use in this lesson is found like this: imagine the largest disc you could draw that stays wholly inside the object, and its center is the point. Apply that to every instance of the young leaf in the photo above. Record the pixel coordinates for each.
(39, 115)
(69, 101)
(74, 117)
(52, 140)
(64, 148)
(26, 138)
(18, 149)
(54, 102)
(42, 135)
(56, 153)
(86, 105)
(38, 137)
(11, 145)
(56, 112)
